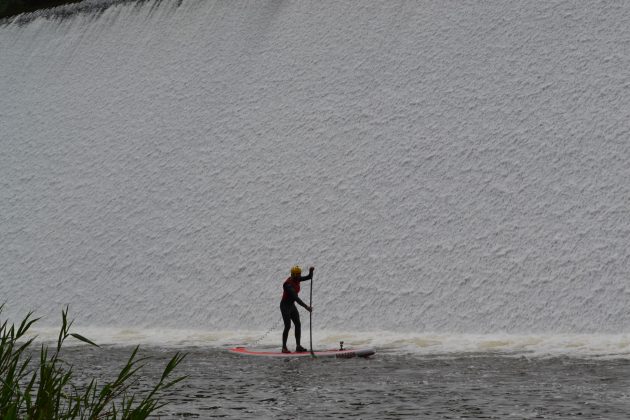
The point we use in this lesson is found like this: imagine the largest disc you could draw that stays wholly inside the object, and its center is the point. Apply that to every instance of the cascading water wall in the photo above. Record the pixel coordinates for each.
(454, 168)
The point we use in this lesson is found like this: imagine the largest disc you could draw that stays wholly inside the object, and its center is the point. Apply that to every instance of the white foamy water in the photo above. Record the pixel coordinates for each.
(599, 346)
(458, 173)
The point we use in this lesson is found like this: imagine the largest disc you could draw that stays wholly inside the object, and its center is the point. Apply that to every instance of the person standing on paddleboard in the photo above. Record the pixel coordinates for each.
(291, 288)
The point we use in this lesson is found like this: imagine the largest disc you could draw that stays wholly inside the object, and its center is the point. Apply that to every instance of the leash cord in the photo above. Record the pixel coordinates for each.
(262, 337)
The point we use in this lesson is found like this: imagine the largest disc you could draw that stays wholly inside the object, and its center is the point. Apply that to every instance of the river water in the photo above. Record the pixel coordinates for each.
(389, 385)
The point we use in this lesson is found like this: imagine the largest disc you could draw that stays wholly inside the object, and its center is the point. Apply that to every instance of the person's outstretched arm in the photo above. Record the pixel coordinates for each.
(310, 274)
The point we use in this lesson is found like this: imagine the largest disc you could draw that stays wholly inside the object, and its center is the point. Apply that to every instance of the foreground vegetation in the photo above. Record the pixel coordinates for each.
(45, 390)
(15, 7)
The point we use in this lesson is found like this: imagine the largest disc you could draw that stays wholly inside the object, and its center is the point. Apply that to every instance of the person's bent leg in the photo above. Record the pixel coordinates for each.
(298, 332)
(295, 317)
(285, 336)
(286, 317)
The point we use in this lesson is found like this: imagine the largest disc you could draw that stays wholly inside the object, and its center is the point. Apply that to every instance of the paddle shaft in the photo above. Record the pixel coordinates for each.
(310, 316)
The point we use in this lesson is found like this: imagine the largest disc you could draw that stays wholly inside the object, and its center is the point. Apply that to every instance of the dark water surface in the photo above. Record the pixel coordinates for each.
(386, 386)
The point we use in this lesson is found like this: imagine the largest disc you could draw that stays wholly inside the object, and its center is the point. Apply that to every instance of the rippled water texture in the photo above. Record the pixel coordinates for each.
(385, 386)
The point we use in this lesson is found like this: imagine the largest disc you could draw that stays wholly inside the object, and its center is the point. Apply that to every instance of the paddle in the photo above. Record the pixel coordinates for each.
(310, 316)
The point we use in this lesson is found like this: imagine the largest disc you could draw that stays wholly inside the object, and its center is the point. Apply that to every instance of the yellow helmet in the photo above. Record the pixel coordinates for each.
(296, 270)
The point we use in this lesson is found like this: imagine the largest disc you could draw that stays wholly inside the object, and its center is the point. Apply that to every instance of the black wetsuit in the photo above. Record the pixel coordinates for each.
(290, 312)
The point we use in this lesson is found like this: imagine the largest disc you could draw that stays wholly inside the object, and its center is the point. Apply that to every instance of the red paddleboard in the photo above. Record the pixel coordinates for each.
(343, 354)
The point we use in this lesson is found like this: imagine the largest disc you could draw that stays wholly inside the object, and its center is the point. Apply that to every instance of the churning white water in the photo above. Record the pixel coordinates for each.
(454, 170)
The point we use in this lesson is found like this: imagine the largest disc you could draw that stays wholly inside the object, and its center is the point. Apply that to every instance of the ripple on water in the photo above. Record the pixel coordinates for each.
(220, 385)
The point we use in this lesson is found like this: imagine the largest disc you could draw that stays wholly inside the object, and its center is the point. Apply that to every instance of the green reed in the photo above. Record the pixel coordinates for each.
(45, 390)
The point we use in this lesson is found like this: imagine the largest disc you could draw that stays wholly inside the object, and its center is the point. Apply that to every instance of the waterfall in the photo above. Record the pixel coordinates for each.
(447, 168)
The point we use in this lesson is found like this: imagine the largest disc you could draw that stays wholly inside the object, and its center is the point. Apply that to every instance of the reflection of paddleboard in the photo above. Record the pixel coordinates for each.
(343, 354)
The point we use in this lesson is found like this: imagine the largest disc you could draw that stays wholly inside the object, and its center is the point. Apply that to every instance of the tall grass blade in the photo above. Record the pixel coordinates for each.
(85, 340)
